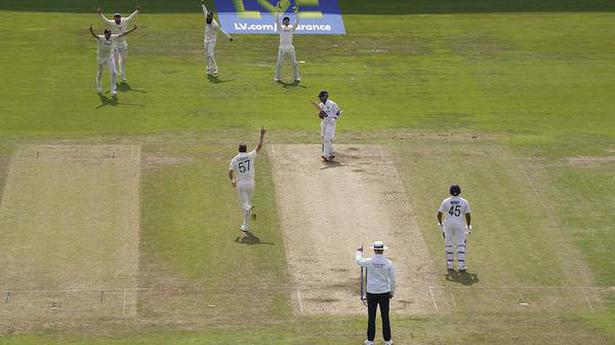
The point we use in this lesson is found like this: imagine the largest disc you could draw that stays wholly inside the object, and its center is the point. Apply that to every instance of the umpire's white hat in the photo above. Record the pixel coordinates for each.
(378, 245)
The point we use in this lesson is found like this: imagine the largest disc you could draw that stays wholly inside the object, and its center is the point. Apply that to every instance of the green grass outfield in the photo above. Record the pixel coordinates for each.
(532, 80)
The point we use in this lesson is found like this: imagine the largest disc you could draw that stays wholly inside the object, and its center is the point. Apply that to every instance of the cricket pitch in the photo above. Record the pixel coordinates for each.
(69, 228)
(328, 210)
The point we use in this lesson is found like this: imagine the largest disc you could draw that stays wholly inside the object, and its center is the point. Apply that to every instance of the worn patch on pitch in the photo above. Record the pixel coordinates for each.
(69, 229)
(328, 210)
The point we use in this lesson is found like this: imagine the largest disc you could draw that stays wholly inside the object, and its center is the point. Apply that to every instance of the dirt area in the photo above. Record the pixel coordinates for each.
(69, 225)
(589, 161)
(329, 210)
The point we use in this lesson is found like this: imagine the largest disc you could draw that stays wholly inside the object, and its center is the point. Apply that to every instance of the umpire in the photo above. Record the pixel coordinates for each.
(380, 289)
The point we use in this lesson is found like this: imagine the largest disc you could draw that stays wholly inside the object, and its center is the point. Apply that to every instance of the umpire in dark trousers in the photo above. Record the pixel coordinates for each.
(380, 289)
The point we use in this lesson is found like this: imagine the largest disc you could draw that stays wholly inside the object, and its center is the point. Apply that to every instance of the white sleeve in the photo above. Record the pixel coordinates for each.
(204, 9)
(392, 278)
(105, 19)
(278, 25)
(131, 16)
(230, 166)
(467, 207)
(358, 258)
(338, 111)
(221, 29)
(443, 207)
(296, 21)
(253, 154)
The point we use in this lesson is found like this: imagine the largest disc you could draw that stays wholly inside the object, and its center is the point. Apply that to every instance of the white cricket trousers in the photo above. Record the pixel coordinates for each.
(455, 234)
(109, 63)
(245, 191)
(121, 54)
(327, 134)
(210, 48)
(283, 53)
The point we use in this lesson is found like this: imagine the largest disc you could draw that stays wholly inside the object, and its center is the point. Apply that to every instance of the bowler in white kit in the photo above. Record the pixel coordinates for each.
(211, 32)
(105, 57)
(286, 49)
(118, 26)
(241, 174)
(329, 115)
(456, 228)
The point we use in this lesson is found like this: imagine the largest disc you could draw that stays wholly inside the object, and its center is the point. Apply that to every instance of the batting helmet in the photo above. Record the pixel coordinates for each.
(323, 93)
(455, 190)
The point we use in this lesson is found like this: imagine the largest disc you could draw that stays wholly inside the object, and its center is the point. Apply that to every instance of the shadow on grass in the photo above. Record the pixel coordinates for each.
(251, 239)
(125, 87)
(215, 80)
(463, 278)
(367, 7)
(293, 84)
(112, 101)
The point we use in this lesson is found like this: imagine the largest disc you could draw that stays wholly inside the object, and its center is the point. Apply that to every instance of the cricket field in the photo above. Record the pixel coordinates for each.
(118, 224)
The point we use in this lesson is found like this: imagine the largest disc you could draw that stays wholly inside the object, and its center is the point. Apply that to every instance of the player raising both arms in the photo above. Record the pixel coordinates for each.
(241, 174)
(105, 56)
(119, 26)
(457, 226)
(211, 32)
(286, 49)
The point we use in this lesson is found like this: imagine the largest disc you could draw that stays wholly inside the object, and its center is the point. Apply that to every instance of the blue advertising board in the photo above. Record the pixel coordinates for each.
(316, 17)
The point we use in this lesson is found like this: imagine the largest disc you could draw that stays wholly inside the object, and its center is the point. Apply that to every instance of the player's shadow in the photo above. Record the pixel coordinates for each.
(112, 101)
(215, 80)
(251, 239)
(330, 164)
(464, 278)
(293, 84)
(125, 87)
(105, 101)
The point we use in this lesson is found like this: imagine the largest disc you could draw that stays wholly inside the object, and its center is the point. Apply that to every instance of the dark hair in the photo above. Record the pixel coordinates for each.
(323, 93)
(286, 18)
(243, 147)
(455, 190)
(107, 31)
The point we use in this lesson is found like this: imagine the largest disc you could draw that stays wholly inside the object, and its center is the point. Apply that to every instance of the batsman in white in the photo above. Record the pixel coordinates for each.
(241, 174)
(286, 49)
(329, 114)
(105, 56)
(457, 225)
(119, 26)
(211, 32)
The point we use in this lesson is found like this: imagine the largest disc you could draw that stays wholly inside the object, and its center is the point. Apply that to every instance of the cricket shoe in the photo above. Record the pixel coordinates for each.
(367, 342)
(123, 79)
(297, 81)
(114, 93)
(389, 342)
(324, 159)
(462, 269)
(276, 80)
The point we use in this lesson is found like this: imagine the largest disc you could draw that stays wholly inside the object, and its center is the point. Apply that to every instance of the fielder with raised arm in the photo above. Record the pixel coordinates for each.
(457, 227)
(105, 57)
(118, 26)
(286, 49)
(380, 289)
(241, 174)
(211, 32)
(329, 114)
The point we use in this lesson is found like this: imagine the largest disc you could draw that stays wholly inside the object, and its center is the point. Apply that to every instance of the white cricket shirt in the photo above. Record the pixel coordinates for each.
(243, 166)
(105, 47)
(121, 27)
(211, 30)
(331, 109)
(380, 273)
(455, 208)
(286, 32)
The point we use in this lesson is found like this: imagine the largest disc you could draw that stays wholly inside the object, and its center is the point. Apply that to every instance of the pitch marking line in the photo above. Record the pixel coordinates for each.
(300, 302)
(433, 299)
(124, 305)
(273, 150)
